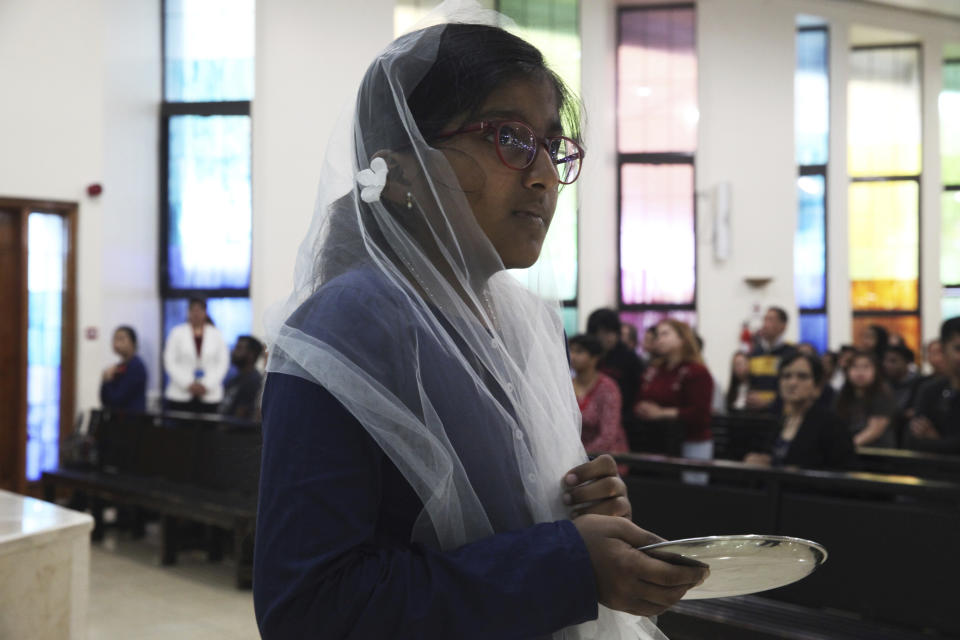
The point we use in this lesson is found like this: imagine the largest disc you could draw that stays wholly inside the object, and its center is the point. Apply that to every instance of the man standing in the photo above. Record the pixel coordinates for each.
(768, 350)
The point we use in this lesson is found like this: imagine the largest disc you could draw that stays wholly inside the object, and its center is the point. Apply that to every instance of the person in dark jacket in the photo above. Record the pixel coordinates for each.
(810, 435)
(124, 384)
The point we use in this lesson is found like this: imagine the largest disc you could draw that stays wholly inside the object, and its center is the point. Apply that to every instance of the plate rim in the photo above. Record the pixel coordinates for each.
(748, 536)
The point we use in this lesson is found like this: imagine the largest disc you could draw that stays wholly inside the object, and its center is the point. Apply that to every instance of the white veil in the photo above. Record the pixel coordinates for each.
(429, 294)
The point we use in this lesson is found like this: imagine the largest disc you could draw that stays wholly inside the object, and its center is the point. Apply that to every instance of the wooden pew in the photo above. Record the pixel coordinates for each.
(894, 541)
(910, 463)
(186, 467)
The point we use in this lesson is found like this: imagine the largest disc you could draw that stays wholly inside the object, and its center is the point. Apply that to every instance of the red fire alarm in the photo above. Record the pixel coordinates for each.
(91, 333)
(94, 189)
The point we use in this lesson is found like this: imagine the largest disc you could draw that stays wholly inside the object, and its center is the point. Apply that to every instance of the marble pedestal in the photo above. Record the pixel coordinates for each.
(44, 570)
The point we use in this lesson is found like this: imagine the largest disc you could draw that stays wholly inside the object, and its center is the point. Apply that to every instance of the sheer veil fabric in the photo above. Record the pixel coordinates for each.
(436, 292)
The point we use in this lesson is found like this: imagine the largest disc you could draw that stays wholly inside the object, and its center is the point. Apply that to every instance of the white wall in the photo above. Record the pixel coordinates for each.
(76, 109)
(309, 57)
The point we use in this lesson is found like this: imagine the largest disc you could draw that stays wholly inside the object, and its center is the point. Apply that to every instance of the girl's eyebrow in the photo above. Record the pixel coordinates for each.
(553, 127)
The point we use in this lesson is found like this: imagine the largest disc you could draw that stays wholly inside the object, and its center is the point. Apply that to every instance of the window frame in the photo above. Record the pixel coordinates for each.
(950, 188)
(168, 110)
(659, 158)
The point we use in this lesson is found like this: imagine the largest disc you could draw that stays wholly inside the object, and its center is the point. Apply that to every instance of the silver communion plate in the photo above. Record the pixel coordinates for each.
(742, 564)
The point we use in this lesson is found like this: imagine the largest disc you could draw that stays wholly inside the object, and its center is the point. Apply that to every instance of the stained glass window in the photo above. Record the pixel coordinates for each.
(46, 268)
(951, 306)
(657, 244)
(811, 88)
(815, 330)
(208, 84)
(552, 27)
(209, 235)
(950, 123)
(884, 245)
(883, 101)
(950, 239)
(810, 257)
(657, 81)
(208, 47)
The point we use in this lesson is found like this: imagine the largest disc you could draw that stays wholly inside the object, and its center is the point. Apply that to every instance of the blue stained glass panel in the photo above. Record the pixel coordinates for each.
(810, 244)
(951, 304)
(233, 316)
(46, 264)
(569, 317)
(209, 235)
(811, 86)
(208, 50)
(813, 329)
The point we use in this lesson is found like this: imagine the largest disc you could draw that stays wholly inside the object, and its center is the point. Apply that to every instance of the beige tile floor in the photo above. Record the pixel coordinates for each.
(132, 597)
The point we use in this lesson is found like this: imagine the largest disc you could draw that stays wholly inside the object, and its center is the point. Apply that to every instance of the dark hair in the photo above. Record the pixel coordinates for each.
(848, 398)
(127, 329)
(815, 365)
(733, 386)
(254, 345)
(781, 313)
(588, 343)
(847, 348)
(631, 330)
(470, 62)
(603, 319)
(883, 339)
(903, 351)
(948, 329)
(699, 339)
(200, 300)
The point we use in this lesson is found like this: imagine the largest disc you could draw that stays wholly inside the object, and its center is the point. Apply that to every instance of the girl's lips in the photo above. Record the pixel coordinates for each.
(530, 218)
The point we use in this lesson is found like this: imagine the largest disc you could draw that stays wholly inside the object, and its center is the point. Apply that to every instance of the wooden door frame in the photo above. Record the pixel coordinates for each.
(68, 340)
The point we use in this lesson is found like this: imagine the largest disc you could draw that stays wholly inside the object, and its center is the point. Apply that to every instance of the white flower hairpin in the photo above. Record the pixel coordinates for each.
(373, 180)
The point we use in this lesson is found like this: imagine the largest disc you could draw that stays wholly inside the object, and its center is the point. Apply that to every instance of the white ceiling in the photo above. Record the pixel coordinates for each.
(948, 8)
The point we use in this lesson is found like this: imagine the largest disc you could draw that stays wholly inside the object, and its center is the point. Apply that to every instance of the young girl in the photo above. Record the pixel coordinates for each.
(598, 397)
(421, 454)
(866, 405)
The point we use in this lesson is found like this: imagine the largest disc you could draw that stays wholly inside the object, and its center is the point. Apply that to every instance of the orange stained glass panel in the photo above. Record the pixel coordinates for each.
(884, 245)
(908, 327)
(894, 295)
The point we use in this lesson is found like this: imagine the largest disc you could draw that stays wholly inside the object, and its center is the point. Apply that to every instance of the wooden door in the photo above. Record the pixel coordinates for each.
(13, 368)
(37, 376)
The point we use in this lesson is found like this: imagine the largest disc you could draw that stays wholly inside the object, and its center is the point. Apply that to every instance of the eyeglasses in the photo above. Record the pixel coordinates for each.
(791, 375)
(517, 147)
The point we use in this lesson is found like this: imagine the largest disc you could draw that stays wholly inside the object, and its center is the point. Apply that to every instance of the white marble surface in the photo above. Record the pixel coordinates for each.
(44, 569)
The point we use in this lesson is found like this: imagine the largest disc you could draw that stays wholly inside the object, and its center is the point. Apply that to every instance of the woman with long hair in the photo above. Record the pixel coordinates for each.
(421, 449)
(676, 386)
(739, 386)
(866, 404)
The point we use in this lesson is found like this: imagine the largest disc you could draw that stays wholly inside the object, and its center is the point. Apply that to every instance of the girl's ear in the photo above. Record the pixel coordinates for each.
(401, 171)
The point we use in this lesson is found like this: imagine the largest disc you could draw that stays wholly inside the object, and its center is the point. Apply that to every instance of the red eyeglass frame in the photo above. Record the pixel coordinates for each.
(544, 142)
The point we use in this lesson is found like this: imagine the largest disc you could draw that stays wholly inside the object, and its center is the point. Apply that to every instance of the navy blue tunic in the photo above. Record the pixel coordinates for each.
(333, 556)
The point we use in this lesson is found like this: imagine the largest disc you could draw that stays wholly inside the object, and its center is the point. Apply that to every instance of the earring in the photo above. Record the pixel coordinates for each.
(409, 200)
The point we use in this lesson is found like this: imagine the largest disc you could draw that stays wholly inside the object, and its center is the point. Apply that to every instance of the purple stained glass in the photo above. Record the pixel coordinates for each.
(657, 81)
(657, 243)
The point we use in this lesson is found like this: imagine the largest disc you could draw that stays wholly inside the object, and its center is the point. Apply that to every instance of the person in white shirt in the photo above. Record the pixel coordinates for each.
(196, 360)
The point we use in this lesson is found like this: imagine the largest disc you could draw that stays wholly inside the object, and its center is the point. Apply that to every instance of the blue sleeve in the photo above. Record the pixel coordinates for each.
(126, 391)
(321, 570)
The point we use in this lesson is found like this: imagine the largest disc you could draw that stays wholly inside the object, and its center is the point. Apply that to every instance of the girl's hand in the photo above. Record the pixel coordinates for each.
(595, 487)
